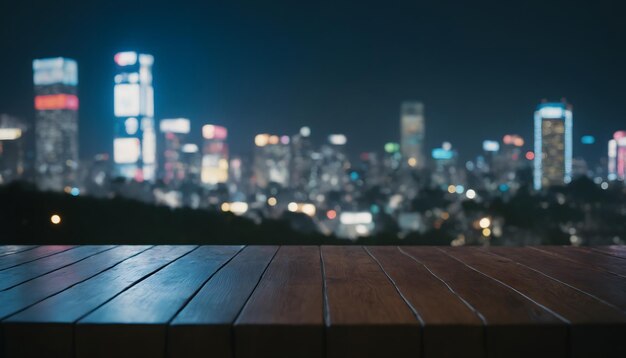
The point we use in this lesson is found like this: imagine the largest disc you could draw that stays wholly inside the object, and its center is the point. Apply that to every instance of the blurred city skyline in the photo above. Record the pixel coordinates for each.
(480, 71)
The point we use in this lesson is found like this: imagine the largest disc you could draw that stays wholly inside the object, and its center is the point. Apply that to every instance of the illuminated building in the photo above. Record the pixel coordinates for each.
(412, 134)
(508, 160)
(617, 156)
(174, 132)
(56, 122)
(553, 145)
(11, 148)
(301, 161)
(134, 144)
(272, 157)
(445, 171)
(214, 155)
(332, 165)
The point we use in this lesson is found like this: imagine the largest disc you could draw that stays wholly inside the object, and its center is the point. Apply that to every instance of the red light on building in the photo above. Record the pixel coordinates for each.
(530, 155)
(56, 101)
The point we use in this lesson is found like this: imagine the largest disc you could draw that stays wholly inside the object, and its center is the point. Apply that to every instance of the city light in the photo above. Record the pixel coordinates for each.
(491, 146)
(352, 218)
(190, 148)
(486, 232)
(337, 139)
(128, 58)
(587, 139)
(126, 150)
(10, 133)
(530, 155)
(271, 201)
(261, 140)
(451, 189)
(56, 102)
(459, 189)
(470, 194)
(305, 131)
(236, 207)
(331, 214)
(292, 206)
(484, 223)
(175, 125)
(210, 131)
(412, 162)
(55, 219)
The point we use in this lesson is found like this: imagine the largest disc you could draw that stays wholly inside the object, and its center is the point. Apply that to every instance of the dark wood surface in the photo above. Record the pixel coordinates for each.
(309, 301)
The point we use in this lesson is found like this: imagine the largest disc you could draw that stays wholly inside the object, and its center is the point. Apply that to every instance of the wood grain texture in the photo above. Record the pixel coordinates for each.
(133, 324)
(595, 328)
(366, 316)
(46, 328)
(20, 257)
(30, 270)
(451, 328)
(203, 327)
(284, 315)
(516, 325)
(603, 285)
(588, 257)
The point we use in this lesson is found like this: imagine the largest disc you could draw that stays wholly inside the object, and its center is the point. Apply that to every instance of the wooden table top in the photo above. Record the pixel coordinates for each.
(310, 301)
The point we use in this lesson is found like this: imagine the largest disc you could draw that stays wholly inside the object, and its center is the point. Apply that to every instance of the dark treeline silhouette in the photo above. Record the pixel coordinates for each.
(25, 219)
(598, 216)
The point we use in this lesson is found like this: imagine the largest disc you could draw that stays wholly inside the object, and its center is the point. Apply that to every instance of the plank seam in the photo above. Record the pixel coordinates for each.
(38, 258)
(59, 268)
(511, 288)
(561, 282)
(607, 253)
(232, 326)
(472, 308)
(168, 323)
(19, 251)
(595, 267)
(406, 301)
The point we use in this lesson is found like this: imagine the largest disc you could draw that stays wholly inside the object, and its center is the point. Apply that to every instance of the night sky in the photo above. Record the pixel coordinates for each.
(479, 67)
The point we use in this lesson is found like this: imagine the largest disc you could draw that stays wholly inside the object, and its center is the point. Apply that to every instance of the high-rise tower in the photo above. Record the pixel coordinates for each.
(412, 134)
(553, 144)
(134, 145)
(56, 122)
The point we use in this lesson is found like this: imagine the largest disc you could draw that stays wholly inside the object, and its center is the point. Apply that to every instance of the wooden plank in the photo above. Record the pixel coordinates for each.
(600, 284)
(25, 272)
(12, 249)
(588, 257)
(366, 316)
(46, 328)
(33, 291)
(516, 325)
(444, 315)
(596, 329)
(284, 316)
(133, 324)
(31, 255)
(204, 327)
(613, 250)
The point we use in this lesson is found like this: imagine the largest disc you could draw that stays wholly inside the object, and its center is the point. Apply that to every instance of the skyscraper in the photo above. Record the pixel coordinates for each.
(56, 122)
(553, 144)
(134, 145)
(214, 155)
(617, 156)
(172, 166)
(412, 134)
